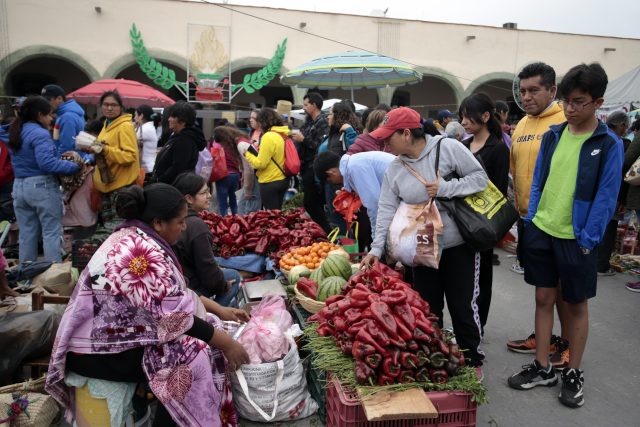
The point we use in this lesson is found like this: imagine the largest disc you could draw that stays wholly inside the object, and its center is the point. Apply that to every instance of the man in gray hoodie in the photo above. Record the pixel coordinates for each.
(458, 273)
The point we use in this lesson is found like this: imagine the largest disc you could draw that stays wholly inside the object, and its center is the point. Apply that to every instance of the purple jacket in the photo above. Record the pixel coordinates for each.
(366, 142)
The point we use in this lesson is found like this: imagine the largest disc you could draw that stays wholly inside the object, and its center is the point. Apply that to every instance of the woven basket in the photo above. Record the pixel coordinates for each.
(311, 305)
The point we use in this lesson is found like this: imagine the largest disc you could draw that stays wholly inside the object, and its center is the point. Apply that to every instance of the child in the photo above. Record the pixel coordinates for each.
(573, 197)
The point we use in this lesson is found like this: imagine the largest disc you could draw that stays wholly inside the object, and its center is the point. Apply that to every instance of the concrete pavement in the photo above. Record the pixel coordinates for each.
(612, 372)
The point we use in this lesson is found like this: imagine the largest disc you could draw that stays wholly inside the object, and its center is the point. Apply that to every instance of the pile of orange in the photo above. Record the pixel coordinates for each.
(309, 256)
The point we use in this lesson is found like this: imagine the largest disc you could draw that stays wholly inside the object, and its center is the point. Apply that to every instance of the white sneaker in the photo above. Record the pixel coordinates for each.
(516, 268)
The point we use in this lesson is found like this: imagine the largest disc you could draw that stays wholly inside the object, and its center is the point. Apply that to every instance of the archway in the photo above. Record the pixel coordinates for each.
(32, 74)
(430, 95)
(133, 72)
(268, 96)
(497, 85)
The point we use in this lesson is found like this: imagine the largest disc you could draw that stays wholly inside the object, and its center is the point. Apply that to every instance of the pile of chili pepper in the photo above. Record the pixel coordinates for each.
(271, 232)
(388, 329)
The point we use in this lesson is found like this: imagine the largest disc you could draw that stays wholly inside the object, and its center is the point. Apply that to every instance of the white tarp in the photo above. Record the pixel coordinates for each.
(328, 103)
(623, 91)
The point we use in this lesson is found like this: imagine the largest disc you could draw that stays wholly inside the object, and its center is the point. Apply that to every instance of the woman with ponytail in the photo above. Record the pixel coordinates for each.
(486, 143)
(37, 198)
(132, 319)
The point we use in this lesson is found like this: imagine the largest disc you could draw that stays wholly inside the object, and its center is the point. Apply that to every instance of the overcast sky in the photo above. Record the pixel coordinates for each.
(568, 16)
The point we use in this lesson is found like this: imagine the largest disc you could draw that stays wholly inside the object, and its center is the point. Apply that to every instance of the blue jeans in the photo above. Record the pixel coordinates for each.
(37, 202)
(226, 191)
(229, 299)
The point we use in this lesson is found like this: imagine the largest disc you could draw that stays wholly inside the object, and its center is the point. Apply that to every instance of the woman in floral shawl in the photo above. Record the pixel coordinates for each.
(132, 319)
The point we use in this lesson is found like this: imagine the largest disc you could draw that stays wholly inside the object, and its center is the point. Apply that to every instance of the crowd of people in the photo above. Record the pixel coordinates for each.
(157, 280)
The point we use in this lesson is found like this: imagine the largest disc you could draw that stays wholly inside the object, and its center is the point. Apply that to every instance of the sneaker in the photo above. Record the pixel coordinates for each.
(572, 392)
(633, 286)
(560, 358)
(528, 345)
(516, 268)
(609, 272)
(533, 375)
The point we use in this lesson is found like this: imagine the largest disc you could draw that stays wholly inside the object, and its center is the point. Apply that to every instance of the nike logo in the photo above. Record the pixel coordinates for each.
(595, 152)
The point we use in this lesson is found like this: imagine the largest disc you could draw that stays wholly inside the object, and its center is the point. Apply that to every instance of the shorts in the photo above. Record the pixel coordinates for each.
(547, 260)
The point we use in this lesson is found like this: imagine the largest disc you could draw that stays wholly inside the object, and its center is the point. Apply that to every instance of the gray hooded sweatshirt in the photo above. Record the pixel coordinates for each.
(400, 185)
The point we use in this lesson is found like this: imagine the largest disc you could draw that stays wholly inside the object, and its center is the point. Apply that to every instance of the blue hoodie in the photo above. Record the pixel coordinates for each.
(37, 154)
(597, 183)
(69, 123)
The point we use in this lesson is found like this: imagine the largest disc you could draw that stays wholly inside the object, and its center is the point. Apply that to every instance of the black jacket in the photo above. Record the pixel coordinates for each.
(494, 158)
(195, 253)
(180, 154)
(314, 132)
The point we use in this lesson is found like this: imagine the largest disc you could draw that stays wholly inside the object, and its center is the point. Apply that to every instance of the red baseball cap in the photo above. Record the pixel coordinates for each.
(396, 119)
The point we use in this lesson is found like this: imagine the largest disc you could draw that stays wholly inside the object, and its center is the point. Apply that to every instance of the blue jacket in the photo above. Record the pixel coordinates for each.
(597, 183)
(37, 154)
(69, 123)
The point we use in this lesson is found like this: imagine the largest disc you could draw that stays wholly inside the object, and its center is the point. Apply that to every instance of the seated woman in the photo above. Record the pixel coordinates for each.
(195, 251)
(132, 319)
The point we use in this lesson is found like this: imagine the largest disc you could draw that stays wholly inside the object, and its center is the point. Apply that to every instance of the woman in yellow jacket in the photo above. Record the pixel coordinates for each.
(269, 161)
(116, 150)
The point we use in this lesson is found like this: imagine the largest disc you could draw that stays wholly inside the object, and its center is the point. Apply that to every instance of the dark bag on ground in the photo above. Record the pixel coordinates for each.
(483, 218)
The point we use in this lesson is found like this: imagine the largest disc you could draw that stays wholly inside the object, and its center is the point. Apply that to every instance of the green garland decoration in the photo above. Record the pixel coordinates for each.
(155, 70)
(256, 81)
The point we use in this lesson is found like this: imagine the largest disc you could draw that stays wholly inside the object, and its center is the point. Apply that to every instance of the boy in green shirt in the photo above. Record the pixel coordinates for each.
(573, 198)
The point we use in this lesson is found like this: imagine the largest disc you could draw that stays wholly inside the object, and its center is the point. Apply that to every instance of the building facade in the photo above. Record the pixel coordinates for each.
(73, 42)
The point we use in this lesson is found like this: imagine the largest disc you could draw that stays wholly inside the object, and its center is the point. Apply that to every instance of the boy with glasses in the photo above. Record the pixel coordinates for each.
(573, 197)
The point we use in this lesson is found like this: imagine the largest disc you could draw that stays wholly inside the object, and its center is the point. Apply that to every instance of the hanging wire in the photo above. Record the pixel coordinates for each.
(320, 36)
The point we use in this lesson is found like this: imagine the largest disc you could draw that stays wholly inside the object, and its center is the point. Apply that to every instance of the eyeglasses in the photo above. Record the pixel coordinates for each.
(109, 105)
(576, 105)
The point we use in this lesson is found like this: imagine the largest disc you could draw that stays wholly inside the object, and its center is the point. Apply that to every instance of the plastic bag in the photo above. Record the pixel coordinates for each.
(205, 164)
(347, 204)
(264, 336)
(219, 168)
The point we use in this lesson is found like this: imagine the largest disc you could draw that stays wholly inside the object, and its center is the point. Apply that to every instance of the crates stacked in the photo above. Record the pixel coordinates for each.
(455, 409)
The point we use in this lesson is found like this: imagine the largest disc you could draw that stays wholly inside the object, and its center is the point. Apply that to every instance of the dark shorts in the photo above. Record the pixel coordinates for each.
(547, 260)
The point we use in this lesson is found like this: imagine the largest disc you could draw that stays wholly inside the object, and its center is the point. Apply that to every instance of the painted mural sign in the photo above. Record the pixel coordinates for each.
(208, 72)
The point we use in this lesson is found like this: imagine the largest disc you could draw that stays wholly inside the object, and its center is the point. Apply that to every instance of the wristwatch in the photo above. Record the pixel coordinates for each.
(585, 251)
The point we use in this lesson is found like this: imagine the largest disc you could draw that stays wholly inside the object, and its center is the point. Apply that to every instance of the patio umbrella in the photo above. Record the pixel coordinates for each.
(133, 93)
(352, 70)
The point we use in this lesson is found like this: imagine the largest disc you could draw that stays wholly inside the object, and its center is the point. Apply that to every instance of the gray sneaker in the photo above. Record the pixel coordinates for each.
(517, 268)
(533, 375)
(572, 392)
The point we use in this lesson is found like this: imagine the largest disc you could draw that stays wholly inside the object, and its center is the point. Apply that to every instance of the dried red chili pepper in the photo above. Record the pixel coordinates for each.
(373, 360)
(382, 314)
(361, 350)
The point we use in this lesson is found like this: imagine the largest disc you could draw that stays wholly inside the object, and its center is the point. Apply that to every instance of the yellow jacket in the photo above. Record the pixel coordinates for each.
(121, 154)
(271, 147)
(525, 144)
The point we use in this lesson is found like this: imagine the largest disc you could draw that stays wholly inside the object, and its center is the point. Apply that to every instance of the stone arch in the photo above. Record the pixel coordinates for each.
(497, 85)
(268, 95)
(438, 90)
(18, 58)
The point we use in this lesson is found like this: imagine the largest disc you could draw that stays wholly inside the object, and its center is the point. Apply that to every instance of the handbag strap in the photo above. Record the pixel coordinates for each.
(437, 165)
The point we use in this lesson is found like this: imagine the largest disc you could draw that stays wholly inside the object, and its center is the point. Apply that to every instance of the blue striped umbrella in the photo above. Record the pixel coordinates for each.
(352, 70)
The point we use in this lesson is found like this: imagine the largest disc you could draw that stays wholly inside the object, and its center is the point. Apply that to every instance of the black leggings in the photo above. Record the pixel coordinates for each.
(457, 278)
(272, 193)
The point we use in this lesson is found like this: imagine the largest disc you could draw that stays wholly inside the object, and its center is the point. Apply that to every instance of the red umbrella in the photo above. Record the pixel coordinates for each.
(133, 93)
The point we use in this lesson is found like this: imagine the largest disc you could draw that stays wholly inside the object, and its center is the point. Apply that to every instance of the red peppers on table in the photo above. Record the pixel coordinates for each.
(388, 329)
(272, 232)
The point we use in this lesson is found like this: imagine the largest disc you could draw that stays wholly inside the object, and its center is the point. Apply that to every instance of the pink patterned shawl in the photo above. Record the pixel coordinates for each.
(132, 294)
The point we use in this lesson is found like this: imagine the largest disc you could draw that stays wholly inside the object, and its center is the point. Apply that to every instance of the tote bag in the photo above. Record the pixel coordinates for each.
(483, 218)
(415, 232)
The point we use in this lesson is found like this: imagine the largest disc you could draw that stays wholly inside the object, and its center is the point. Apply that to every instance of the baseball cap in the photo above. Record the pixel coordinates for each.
(396, 119)
(52, 91)
(443, 114)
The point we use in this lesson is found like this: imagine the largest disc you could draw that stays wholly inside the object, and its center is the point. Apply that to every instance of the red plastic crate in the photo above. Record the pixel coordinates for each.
(455, 409)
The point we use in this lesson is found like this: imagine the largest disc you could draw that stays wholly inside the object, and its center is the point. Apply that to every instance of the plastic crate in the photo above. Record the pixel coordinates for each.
(455, 409)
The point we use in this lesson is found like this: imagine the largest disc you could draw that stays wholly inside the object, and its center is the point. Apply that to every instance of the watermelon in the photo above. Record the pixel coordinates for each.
(330, 286)
(336, 265)
(297, 272)
(317, 275)
(341, 252)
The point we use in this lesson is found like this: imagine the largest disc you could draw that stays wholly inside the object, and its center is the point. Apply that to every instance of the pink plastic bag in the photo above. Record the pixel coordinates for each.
(264, 336)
